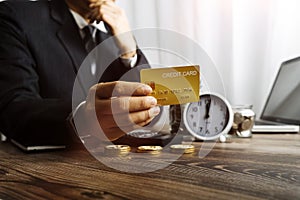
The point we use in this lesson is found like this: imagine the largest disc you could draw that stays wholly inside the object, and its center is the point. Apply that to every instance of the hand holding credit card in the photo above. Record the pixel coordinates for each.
(173, 85)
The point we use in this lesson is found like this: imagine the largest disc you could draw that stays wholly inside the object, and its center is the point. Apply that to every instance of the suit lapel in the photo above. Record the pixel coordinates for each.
(68, 33)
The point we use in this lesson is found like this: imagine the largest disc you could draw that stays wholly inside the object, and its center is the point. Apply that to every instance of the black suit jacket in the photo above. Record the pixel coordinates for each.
(40, 53)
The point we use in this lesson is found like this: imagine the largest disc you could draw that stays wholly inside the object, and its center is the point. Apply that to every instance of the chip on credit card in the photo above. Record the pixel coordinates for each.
(173, 85)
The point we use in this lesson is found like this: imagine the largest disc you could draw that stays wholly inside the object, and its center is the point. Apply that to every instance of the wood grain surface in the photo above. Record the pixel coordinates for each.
(263, 167)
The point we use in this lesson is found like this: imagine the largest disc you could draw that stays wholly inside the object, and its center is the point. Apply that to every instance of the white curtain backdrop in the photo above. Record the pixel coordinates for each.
(246, 39)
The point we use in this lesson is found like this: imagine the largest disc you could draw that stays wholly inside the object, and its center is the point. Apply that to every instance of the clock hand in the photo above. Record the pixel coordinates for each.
(207, 107)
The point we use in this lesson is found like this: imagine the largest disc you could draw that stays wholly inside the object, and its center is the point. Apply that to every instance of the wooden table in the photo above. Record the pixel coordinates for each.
(264, 167)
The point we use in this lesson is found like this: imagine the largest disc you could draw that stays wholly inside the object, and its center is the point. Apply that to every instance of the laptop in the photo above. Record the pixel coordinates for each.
(281, 112)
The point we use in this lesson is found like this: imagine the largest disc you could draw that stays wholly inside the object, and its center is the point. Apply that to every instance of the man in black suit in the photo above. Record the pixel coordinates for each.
(42, 46)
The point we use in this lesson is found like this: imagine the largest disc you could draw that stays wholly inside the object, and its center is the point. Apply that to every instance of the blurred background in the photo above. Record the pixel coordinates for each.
(246, 39)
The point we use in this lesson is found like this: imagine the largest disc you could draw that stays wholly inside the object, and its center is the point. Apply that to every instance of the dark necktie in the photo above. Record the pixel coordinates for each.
(89, 39)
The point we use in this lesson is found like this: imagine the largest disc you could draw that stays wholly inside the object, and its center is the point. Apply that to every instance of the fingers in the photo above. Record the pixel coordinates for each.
(112, 14)
(125, 104)
(107, 7)
(121, 88)
(142, 118)
(138, 117)
(97, 11)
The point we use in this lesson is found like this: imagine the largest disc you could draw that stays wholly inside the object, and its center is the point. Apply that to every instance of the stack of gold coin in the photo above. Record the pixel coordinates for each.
(182, 148)
(149, 149)
(117, 150)
(243, 121)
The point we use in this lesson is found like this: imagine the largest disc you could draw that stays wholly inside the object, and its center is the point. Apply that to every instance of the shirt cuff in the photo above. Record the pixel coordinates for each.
(70, 118)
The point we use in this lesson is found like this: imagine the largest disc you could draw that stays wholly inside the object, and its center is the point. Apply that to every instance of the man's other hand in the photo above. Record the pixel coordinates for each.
(121, 107)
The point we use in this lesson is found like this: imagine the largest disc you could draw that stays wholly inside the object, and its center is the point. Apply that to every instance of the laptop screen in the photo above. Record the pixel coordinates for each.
(283, 103)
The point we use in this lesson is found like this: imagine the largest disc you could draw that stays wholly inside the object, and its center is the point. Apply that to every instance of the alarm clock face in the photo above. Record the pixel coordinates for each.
(209, 118)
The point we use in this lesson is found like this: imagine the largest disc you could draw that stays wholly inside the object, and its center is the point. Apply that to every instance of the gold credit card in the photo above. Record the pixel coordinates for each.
(173, 85)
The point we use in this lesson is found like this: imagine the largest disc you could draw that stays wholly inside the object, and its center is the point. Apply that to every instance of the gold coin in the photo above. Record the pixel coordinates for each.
(246, 125)
(238, 118)
(184, 148)
(149, 149)
(235, 126)
(117, 149)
